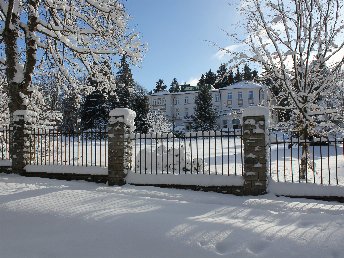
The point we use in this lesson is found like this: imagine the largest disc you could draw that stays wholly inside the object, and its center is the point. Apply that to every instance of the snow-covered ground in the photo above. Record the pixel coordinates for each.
(49, 218)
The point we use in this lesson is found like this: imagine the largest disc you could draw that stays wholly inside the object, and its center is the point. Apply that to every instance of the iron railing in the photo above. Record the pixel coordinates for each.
(56, 147)
(324, 159)
(214, 152)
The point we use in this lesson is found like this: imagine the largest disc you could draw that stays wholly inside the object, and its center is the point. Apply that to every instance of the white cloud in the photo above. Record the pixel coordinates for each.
(225, 52)
(193, 81)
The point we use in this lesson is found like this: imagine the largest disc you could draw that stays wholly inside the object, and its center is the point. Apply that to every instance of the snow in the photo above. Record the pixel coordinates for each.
(5, 163)
(67, 169)
(296, 189)
(185, 179)
(48, 218)
(244, 85)
(256, 111)
(124, 115)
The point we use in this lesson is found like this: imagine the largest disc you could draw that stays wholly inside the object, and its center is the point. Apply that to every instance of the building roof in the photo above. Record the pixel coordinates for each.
(243, 85)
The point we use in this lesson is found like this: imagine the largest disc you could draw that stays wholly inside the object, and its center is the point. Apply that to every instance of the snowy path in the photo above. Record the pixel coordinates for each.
(48, 218)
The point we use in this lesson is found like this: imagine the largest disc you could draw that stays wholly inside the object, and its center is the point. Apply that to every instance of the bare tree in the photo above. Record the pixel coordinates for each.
(300, 45)
(71, 35)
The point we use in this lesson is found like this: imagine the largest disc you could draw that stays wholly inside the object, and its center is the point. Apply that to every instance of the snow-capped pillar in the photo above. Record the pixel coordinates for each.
(121, 125)
(22, 127)
(255, 138)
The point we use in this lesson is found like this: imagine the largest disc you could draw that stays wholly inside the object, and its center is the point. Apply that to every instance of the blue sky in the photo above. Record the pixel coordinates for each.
(176, 32)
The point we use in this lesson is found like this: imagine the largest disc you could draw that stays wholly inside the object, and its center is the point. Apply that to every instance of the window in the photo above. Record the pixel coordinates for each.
(225, 124)
(217, 98)
(176, 101)
(240, 101)
(229, 99)
(177, 113)
(250, 97)
(159, 101)
(186, 100)
(186, 112)
(154, 102)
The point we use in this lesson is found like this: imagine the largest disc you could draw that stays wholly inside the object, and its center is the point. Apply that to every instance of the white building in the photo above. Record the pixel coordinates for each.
(229, 102)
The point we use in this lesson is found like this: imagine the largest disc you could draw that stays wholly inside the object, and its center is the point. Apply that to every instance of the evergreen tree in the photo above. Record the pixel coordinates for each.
(159, 86)
(230, 77)
(210, 78)
(140, 104)
(70, 112)
(124, 85)
(95, 109)
(175, 87)
(221, 77)
(205, 115)
(237, 76)
(94, 113)
(247, 73)
(201, 80)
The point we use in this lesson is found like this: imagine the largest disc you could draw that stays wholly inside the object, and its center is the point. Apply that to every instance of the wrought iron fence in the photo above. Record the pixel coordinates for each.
(56, 147)
(324, 158)
(214, 152)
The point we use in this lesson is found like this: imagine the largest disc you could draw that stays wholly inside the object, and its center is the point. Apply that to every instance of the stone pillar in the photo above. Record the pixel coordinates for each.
(21, 139)
(255, 137)
(121, 124)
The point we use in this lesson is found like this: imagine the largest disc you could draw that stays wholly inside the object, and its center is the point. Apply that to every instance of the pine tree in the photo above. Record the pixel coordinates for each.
(124, 84)
(95, 110)
(140, 104)
(247, 73)
(201, 80)
(210, 78)
(237, 76)
(230, 77)
(159, 86)
(205, 115)
(221, 77)
(175, 87)
(70, 112)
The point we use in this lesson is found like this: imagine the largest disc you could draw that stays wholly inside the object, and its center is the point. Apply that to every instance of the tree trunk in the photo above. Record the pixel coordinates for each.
(305, 153)
(18, 80)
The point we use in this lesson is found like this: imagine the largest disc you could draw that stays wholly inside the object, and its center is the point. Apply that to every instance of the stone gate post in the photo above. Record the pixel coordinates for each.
(255, 137)
(21, 139)
(121, 124)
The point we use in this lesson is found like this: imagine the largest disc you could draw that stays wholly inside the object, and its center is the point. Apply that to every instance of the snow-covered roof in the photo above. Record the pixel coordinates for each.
(160, 93)
(244, 85)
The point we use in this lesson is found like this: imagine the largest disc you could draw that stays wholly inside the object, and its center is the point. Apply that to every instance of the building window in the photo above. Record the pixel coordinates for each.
(250, 97)
(177, 113)
(186, 112)
(229, 99)
(240, 100)
(154, 102)
(217, 98)
(159, 101)
(176, 101)
(186, 100)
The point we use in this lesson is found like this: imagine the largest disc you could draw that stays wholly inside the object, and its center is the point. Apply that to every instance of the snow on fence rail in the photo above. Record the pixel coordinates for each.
(211, 153)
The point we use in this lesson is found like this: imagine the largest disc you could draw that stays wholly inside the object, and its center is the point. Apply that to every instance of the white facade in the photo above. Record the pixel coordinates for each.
(229, 102)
